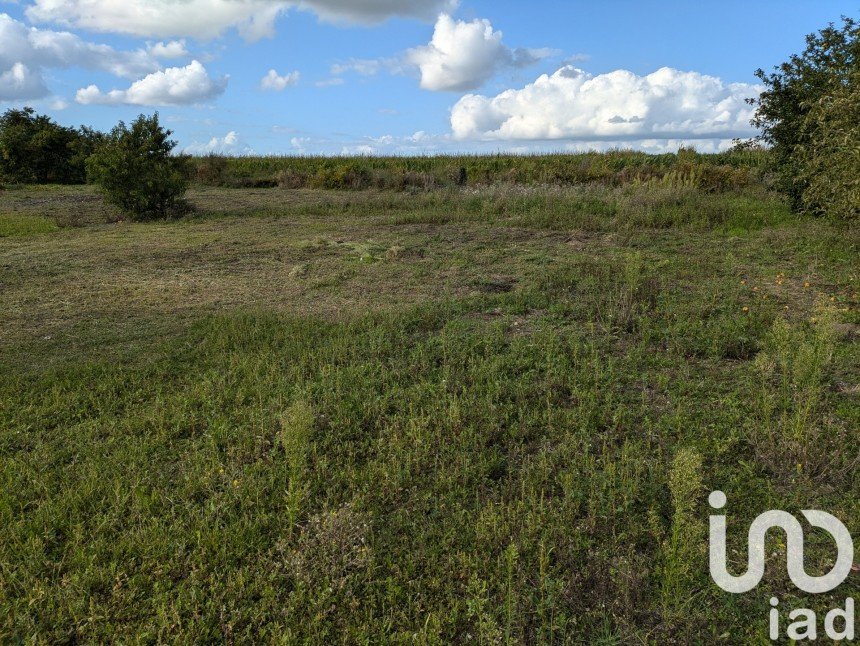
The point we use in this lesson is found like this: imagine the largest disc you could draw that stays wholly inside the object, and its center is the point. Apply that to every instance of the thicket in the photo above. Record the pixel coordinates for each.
(36, 150)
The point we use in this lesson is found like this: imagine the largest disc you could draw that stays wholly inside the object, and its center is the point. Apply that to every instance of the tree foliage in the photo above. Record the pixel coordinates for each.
(34, 149)
(808, 114)
(829, 157)
(138, 172)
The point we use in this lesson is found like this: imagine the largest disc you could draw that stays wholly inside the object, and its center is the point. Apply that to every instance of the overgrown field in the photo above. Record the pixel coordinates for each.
(480, 413)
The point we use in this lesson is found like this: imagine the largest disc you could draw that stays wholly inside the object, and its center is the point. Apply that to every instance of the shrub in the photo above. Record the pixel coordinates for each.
(138, 172)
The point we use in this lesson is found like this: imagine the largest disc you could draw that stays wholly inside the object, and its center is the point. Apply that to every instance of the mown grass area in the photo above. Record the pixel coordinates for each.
(487, 414)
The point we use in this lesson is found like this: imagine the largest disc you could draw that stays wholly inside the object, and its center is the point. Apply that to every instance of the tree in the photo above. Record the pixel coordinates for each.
(806, 108)
(34, 149)
(138, 172)
(829, 157)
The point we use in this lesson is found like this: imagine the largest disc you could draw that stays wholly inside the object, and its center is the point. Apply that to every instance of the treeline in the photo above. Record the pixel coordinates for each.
(36, 150)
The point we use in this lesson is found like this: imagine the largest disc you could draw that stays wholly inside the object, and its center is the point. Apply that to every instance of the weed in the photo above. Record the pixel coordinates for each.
(794, 436)
(684, 549)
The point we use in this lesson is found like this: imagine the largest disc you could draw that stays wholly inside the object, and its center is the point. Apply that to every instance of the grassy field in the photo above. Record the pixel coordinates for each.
(480, 413)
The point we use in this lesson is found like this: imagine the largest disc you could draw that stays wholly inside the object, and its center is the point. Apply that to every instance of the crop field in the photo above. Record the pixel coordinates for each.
(402, 405)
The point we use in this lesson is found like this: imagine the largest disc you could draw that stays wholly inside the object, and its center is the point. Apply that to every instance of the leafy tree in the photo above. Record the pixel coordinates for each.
(34, 149)
(829, 157)
(138, 172)
(807, 108)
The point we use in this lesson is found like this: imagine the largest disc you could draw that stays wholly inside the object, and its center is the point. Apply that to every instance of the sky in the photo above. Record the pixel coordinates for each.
(364, 77)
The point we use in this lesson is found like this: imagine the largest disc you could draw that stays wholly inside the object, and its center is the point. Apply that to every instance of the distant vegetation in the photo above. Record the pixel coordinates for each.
(718, 172)
(808, 116)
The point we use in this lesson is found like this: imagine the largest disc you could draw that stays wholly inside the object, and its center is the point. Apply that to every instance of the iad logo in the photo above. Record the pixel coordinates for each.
(794, 537)
(806, 626)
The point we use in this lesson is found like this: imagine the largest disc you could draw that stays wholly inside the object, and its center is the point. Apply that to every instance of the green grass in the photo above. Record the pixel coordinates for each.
(488, 414)
(12, 225)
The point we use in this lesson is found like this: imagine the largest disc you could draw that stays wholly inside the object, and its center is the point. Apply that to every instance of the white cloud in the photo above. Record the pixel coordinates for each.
(375, 11)
(330, 82)
(359, 150)
(273, 81)
(464, 55)
(170, 50)
(360, 66)
(58, 104)
(206, 19)
(619, 106)
(26, 52)
(300, 144)
(173, 86)
(229, 144)
(19, 82)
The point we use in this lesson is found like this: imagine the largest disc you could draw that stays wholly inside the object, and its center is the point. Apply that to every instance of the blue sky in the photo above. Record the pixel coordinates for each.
(404, 76)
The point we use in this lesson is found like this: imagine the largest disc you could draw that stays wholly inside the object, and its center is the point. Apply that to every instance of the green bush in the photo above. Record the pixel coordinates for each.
(138, 172)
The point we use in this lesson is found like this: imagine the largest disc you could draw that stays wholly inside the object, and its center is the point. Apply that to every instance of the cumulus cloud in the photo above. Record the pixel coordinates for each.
(273, 81)
(26, 52)
(173, 86)
(208, 19)
(169, 50)
(203, 19)
(229, 144)
(464, 55)
(619, 106)
(20, 82)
